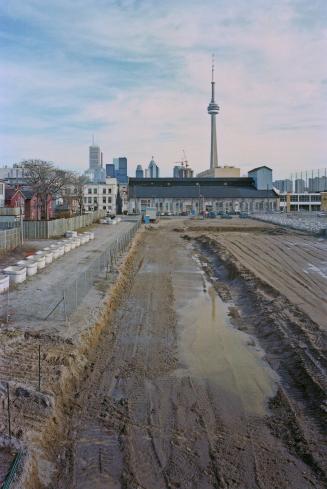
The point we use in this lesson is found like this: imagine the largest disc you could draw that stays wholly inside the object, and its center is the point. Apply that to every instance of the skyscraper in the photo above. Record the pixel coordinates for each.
(153, 169)
(95, 157)
(110, 170)
(121, 169)
(213, 109)
(139, 172)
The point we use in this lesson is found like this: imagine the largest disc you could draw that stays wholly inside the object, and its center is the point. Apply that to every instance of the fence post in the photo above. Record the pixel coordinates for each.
(8, 411)
(39, 372)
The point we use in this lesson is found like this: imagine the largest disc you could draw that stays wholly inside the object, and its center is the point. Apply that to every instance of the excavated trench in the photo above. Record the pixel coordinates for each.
(294, 347)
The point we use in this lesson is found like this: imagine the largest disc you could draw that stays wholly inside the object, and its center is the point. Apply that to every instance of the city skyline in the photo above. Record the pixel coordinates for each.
(144, 90)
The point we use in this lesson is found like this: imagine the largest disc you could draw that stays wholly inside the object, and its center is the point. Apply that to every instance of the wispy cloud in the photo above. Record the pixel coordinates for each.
(136, 73)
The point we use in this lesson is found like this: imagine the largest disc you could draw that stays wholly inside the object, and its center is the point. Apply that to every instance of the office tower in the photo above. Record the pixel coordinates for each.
(139, 172)
(153, 169)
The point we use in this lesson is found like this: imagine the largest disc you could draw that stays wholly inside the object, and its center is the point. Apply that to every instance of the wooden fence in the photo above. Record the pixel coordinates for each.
(10, 239)
(58, 227)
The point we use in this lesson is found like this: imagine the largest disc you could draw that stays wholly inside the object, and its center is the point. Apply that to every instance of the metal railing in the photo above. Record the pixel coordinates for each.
(74, 293)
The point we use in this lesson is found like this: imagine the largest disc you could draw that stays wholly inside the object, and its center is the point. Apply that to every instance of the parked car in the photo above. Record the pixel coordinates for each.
(212, 214)
(244, 215)
(226, 216)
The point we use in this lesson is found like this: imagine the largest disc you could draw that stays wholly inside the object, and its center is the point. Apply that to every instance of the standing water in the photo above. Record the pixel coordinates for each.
(211, 349)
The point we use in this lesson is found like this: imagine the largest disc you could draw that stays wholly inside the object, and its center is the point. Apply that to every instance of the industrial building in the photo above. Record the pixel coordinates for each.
(297, 202)
(194, 195)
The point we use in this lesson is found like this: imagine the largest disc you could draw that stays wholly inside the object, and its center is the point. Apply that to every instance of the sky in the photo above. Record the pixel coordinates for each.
(136, 75)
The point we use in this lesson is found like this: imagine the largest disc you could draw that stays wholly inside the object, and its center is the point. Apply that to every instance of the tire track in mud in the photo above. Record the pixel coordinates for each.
(298, 359)
(144, 422)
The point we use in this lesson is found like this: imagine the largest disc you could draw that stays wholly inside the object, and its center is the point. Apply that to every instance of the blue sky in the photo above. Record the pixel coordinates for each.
(136, 74)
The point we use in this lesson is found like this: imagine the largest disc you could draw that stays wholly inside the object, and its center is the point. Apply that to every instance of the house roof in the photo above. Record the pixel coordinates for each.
(259, 168)
(10, 192)
(28, 193)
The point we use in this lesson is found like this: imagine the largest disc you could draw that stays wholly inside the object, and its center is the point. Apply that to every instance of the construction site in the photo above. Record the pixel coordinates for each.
(184, 354)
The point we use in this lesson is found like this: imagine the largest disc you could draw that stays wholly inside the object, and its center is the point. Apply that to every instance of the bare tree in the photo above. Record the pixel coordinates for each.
(46, 181)
(79, 181)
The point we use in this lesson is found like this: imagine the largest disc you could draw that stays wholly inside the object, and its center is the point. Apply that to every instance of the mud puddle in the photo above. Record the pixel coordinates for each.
(213, 350)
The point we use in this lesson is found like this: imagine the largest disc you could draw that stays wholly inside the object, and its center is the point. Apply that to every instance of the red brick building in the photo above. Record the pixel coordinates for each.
(29, 202)
(15, 198)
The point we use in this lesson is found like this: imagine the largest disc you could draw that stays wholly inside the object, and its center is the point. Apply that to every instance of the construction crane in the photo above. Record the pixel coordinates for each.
(184, 158)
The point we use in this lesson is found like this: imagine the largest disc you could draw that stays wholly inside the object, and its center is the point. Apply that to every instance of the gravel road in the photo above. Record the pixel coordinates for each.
(31, 301)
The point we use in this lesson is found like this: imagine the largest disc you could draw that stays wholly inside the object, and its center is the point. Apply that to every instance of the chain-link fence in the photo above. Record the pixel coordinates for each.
(310, 222)
(73, 294)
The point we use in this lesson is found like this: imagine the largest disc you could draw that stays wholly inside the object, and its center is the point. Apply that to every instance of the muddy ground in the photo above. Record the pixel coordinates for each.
(207, 377)
(207, 369)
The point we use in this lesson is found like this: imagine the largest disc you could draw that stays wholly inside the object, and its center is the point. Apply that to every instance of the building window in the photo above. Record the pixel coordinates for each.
(95, 190)
(89, 190)
(109, 200)
(104, 200)
(90, 200)
(104, 191)
(104, 207)
(109, 190)
(95, 200)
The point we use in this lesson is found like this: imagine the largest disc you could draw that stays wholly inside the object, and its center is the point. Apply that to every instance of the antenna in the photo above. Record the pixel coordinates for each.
(213, 67)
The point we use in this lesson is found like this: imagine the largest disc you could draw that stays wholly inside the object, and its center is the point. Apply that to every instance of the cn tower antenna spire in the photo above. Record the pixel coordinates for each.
(213, 110)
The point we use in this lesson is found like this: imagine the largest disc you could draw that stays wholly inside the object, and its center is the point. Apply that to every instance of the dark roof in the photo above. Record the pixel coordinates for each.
(192, 192)
(10, 192)
(192, 182)
(28, 193)
(259, 168)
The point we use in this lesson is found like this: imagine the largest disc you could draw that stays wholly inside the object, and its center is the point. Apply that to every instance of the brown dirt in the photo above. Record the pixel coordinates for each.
(202, 371)
(147, 418)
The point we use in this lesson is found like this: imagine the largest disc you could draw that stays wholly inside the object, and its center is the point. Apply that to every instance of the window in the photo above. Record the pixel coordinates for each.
(104, 199)
(95, 190)
(109, 200)
(104, 191)
(109, 190)
(315, 198)
(85, 200)
(95, 200)
(90, 200)
(89, 190)
(104, 207)
(1, 188)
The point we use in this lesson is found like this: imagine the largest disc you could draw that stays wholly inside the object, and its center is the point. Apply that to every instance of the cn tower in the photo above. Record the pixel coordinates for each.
(213, 110)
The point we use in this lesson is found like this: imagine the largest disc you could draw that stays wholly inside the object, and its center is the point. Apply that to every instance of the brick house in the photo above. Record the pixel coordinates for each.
(33, 207)
(15, 198)
(28, 201)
